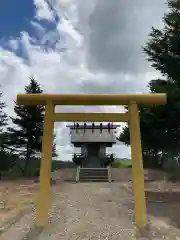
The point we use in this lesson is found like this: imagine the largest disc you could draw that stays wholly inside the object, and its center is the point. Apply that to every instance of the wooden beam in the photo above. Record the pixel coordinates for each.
(90, 99)
(90, 117)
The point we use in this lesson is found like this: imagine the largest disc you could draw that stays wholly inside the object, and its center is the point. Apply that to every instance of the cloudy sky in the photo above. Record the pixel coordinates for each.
(76, 46)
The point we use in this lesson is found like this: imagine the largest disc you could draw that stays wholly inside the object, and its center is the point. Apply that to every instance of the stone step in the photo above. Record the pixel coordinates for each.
(93, 180)
(93, 175)
(94, 170)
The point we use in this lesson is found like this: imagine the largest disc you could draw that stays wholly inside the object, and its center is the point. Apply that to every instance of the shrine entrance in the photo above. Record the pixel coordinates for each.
(93, 149)
(93, 156)
(132, 117)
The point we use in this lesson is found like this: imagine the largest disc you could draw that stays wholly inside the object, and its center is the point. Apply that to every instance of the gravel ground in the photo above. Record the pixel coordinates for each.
(95, 211)
(91, 211)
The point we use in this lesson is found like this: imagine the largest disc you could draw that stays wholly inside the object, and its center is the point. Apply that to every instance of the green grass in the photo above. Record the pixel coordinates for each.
(126, 163)
(122, 163)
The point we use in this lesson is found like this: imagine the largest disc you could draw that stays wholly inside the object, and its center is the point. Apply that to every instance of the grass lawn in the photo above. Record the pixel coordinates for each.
(122, 163)
(126, 163)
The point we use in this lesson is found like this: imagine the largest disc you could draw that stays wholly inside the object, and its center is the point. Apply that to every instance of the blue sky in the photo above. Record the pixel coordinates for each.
(15, 16)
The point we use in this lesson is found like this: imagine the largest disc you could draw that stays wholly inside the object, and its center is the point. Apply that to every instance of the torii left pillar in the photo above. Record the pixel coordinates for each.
(46, 163)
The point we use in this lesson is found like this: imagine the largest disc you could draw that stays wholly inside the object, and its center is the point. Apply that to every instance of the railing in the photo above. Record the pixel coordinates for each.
(107, 159)
(80, 159)
(80, 154)
(77, 173)
(109, 174)
(86, 155)
(109, 155)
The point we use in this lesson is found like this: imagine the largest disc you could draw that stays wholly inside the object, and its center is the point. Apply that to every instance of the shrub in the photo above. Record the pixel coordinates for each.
(37, 172)
(119, 164)
(172, 168)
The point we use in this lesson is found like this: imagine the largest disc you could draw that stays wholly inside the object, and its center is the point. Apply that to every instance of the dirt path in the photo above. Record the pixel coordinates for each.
(90, 211)
(95, 211)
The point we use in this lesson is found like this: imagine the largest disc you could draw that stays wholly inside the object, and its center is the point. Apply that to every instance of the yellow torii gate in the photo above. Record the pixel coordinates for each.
(132, 117)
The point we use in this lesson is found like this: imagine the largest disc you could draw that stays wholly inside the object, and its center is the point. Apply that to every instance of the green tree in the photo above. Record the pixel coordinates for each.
(160, 126)
(162, 48)
(6, 161)
(24, 137)
(54, 153)
(3, 120)
(3, 115)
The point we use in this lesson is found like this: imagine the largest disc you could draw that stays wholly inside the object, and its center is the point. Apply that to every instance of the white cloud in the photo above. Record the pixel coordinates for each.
(38, 28)
(43, 11)
(13, 44)
(67, 67)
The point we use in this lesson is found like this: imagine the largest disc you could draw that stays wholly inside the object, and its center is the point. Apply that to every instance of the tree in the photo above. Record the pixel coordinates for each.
(162, 49)
(3, 115)
(54, 150)
(6, 161)
(24, 137)
(160, 126)
(3, 120)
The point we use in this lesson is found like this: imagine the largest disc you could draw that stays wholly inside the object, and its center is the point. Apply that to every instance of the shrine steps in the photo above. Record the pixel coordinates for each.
(94, 175)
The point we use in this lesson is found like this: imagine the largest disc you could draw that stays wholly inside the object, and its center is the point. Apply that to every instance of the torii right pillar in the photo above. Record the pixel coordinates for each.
(137, 166)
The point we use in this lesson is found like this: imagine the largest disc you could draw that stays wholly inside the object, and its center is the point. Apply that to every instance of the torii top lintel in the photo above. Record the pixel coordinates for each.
(91, 99)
